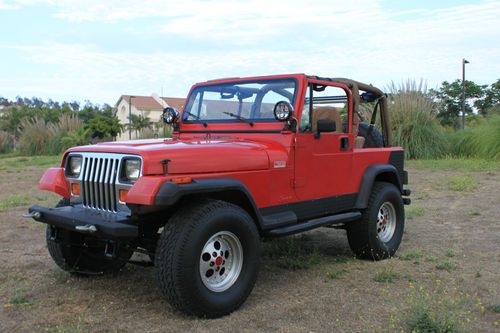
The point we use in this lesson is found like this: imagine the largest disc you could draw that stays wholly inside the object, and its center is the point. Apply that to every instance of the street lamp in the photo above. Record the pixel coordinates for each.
(130, 117)
(463, 91)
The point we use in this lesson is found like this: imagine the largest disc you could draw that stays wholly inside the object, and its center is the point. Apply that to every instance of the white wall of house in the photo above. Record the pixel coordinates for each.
(122, 112)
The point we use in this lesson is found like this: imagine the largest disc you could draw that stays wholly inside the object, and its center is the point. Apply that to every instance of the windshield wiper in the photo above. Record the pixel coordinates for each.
(239, 118)
(204, 123)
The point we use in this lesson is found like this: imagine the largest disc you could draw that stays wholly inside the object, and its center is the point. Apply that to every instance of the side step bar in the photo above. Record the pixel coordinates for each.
(314, 223)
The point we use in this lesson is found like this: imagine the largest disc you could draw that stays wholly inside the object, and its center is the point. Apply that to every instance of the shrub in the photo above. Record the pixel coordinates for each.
(414, 123)
(6, 142)
(481, 141)
(41, 138)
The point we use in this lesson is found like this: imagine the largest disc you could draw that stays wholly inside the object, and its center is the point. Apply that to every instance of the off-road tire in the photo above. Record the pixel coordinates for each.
(179, 250)
(373, 137)
(363, 236)
(82, 255)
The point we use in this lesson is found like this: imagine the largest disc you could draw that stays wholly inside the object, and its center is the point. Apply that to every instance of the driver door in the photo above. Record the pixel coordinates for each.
(323, 160)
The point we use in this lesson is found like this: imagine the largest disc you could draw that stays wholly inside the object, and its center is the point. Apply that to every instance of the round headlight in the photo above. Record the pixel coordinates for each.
(132, 169)
(283, 111)
(170, 115)
(74, 166)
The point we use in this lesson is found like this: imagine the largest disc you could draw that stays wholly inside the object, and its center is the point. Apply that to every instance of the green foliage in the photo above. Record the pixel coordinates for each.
(336, 274)
(386, 276)
(19, 298)
(6, 142)
(414, 124)
(138, 123)
(292, 253)
(447, 266)
(451, 163)
(449, 99)
(101, 126)
(490, 105)
(14, 201)
(412, 255)
(481, 141)
(461, 183)
(413, 211)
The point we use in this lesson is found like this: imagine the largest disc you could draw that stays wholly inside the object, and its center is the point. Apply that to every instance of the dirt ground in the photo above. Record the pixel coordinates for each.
(447, 265)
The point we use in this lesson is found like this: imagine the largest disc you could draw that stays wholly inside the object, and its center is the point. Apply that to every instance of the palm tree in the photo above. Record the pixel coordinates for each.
(138, 123)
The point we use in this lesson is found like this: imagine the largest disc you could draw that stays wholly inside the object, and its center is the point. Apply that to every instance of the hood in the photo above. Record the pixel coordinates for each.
(188, 156)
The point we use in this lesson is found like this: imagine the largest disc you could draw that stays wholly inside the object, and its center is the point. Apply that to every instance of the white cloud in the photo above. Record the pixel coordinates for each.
(358, 39)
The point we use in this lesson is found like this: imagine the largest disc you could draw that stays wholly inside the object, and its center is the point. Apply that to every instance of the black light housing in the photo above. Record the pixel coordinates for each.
(283, 111)
(170, 115)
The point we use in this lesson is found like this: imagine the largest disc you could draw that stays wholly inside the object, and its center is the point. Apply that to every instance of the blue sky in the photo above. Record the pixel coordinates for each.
(98, 50)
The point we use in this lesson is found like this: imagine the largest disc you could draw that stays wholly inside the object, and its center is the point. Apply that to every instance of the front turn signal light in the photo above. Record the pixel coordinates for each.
(123, 195)
(182, 180)
(75, 189)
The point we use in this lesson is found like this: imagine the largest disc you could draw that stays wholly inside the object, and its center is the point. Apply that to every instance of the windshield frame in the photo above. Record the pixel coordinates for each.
(264, 81)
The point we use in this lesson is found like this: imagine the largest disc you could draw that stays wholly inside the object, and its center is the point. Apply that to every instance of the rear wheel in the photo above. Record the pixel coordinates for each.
(379, 232)
(207, 258)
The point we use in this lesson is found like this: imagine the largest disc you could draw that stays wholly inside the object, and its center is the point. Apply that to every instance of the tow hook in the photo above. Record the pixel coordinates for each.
(88, 228)
(110, 249)
(33, 215)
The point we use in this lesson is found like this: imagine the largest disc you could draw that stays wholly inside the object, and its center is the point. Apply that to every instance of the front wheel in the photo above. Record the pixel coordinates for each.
(378, 234)
(207, 258)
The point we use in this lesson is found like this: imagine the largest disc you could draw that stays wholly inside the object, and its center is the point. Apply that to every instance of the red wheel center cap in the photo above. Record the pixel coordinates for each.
(218, 261)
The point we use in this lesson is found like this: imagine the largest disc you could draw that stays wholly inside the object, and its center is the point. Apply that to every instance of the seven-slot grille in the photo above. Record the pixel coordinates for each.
(99, 176)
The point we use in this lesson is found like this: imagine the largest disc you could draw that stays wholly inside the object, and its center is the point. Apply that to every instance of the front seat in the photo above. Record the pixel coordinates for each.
(328, 113)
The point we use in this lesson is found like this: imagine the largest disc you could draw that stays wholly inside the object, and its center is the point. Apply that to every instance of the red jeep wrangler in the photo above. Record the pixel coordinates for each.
(249, 158)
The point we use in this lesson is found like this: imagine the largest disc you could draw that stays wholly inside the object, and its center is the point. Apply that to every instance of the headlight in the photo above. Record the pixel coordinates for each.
(74, 166)
(132, 169)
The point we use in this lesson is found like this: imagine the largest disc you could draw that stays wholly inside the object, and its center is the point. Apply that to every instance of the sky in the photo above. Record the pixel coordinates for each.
(98, 50)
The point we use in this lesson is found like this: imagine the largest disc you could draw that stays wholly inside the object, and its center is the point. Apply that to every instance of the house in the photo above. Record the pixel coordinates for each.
(146, 106)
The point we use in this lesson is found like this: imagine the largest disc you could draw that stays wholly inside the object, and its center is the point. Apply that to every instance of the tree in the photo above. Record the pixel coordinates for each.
(102, 126)
(138, 123)
(490, 104)
(449, 98)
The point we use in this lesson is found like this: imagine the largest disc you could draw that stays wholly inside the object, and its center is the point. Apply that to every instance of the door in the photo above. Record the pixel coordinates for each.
(323, 162)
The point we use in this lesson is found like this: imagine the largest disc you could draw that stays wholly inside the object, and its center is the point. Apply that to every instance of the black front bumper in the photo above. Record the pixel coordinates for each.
(113, 226)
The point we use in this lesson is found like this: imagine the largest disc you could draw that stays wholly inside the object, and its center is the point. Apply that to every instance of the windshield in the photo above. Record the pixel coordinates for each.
(245, 101)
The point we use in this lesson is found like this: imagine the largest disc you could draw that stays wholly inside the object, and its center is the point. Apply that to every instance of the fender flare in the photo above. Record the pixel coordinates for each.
(170, 193)
(390, 174)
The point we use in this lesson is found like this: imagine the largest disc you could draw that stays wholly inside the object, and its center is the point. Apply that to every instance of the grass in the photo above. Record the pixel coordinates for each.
(414, 124)
(447, 266)
(15, 200)
(19, 298)
(496, 308)
(450, 163)
(450, 254)
(336, 274)
(412, 255)
(292, 253)
(413, 211)
(461, 183)
(442, 309)
(482, 140)
(386, 276)
(8, 161)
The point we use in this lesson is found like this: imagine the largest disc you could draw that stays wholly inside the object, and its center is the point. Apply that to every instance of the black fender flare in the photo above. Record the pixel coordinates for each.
(389, 173)
(170, 193)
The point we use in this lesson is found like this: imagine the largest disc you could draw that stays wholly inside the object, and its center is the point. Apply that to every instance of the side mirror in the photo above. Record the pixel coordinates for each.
(325, 125)
(170, 115)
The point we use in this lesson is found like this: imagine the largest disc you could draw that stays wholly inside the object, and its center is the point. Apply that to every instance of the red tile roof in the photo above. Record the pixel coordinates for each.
(149, 103)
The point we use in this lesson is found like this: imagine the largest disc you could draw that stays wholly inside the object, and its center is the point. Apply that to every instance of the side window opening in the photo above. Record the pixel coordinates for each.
(324, 102)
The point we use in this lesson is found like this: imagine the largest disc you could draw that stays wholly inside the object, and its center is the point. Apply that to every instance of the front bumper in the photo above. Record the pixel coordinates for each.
(113, 226)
